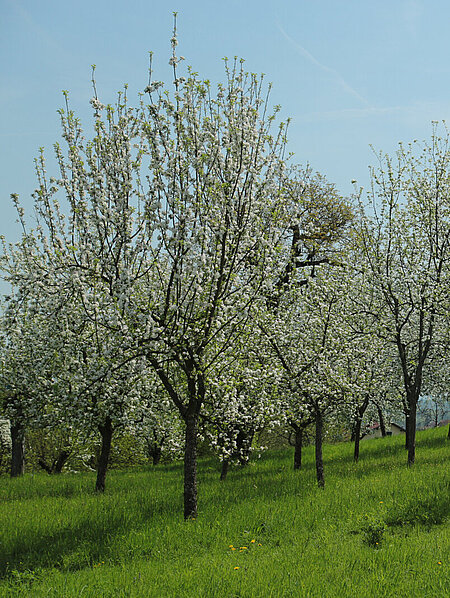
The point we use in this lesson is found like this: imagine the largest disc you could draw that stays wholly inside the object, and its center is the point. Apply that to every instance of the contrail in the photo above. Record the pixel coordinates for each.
(26, 16)
(337, 76)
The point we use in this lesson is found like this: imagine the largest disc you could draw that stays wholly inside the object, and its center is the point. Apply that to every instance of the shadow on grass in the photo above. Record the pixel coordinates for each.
(81, 544)
(433, 442)
(433, 509)
(90, 540)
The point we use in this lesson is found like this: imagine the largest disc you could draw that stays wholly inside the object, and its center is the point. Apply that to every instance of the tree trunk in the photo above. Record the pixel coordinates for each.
(448, 433)
(407, 419)
(319, 457)
(190, 467)
(106, 431)
(298, 448)
(60, 461)
(155, 453)
(224, 471)
(43, 465)
(57, 465)
(357, 439)
(17, 450)
(381, 421)
(411, 430)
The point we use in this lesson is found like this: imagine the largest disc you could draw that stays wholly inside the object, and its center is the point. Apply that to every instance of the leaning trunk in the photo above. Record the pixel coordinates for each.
(106, 431)
(298, 448)
(190, 467)
(319, 457)
(17, 450)
(381, 421)
(60, 461)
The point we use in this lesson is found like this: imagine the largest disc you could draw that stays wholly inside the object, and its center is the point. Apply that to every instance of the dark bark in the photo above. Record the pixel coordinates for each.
(318, 443)
(155, 452)
(357, 439)
(224, 471)
(407, 419)
(411, 430)
(154, 447)
(298, 447)
(43, 465)
(448, 433)
(106, 431)
(381, 421)
(190, 466)
(17, 449)
(57, 465)
(60, 461)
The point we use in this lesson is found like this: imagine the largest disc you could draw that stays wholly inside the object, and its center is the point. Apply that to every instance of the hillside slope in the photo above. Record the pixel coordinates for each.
(377, 529)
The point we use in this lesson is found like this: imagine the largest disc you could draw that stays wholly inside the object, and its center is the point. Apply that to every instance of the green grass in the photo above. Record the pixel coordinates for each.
(378, 529)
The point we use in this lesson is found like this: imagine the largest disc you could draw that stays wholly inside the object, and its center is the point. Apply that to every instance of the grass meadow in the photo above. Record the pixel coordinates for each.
(377, 529)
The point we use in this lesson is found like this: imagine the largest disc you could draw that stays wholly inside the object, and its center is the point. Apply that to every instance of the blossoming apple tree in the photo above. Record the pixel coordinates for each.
(166, 229)
(406, 246)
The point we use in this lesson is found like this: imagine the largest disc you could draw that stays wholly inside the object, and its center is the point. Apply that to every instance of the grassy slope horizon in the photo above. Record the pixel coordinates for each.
(378, 528)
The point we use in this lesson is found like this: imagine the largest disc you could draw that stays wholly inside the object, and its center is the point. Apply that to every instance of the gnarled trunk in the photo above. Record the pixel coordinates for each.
(106, 431)
(17, 449)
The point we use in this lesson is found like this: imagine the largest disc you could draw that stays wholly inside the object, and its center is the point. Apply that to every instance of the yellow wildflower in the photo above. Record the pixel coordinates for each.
(236, 568)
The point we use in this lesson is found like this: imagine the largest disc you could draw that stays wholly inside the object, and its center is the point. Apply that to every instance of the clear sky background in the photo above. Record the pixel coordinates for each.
(349, 73)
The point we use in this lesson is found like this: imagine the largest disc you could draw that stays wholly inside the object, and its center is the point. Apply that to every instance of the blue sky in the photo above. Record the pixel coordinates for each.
(349, 73)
